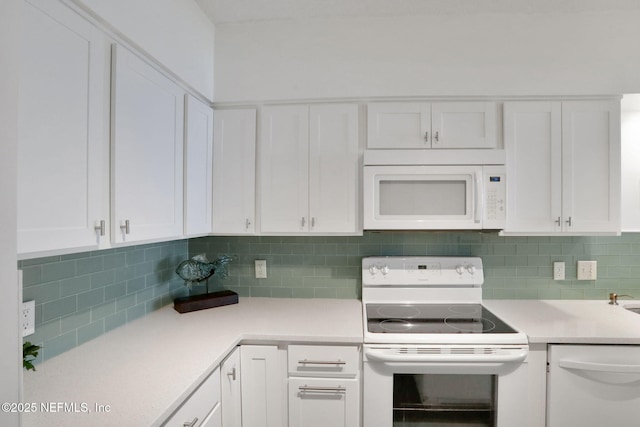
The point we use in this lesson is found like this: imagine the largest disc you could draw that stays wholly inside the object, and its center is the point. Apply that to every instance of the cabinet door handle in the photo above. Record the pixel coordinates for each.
(321, 362)
(569, 222)
(313, 221)
(100, 228)
(426, 137)
(339, 389)
(247, 224)
(557, 221)
(437, 137)
(126, 227)
(303, 222)
(191, 424)
(232, 374)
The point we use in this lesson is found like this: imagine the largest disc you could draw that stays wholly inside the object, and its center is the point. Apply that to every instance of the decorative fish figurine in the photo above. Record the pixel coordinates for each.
(198, 268)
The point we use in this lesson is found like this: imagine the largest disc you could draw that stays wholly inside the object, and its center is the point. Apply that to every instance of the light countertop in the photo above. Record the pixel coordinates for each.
(146, 368)
(570, 321)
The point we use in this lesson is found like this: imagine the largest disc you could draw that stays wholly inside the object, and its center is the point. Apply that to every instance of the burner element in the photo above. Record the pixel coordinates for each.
(470, 325)
(395, 325)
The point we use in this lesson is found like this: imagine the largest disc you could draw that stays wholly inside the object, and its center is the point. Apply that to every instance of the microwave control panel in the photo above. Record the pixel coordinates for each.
(495, 185)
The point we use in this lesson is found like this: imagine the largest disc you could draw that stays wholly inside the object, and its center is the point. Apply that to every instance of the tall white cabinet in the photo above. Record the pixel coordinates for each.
(309, 169)
(147, 151)
(198, 179)
(63, 128)
(234, 171)
(563, 166)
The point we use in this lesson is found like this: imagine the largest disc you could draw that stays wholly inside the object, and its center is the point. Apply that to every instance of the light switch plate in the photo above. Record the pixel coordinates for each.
(558, 271)
(28, 318)
(587, 270)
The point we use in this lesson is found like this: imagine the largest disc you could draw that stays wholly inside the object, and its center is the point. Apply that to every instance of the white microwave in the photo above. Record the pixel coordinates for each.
(434, 197)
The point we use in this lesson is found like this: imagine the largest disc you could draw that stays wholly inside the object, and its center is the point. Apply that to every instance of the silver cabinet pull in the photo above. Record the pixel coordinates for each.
(125, 227)
(557, 221)
(426, 137)
(247, 224)
(305, 388)
(437, 137)
(100, 227)
(303, 221)
(232, 374)
(191, 424)
(313, 221)
(569, 222)
(321, 362)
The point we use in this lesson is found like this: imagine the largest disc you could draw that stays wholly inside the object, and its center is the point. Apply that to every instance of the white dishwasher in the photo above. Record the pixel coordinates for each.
(593, 386)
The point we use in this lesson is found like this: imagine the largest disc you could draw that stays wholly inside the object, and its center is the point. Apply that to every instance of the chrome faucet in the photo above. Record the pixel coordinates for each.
(613, 298)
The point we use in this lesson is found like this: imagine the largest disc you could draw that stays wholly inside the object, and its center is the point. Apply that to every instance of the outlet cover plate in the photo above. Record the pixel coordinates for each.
(28, 318)
(558, 271)
(261, 268)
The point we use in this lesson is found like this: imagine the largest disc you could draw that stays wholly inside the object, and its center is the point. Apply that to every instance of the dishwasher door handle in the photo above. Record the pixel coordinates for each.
(599, 367)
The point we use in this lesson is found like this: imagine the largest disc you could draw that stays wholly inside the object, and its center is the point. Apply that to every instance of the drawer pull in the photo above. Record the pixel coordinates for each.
(192, 423)
(321, 362)
(306, 388)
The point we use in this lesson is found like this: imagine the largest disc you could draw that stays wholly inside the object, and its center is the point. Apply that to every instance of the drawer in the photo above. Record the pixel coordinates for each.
(323, 361)
(199, 404)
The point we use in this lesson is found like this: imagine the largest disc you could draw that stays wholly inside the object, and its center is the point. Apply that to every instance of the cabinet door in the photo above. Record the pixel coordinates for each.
(591, 166)
(263, 381)
(398, 125)
(463, 125)
(234, 166)
(214, 419)
(230, 378)
(532, 139)
(630, 140)
(198, 180)
(334, 170)
(284, 161)
(323, 402)
(147, 151)
(63, 114)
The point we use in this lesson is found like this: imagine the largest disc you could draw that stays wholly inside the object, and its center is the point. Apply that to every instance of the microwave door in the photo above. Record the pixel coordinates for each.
(422, 197)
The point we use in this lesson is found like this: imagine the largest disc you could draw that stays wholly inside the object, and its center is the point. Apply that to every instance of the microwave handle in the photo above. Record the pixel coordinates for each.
(478, 198)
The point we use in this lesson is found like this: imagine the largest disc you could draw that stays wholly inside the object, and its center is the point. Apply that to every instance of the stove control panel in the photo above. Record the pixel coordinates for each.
(422, 271)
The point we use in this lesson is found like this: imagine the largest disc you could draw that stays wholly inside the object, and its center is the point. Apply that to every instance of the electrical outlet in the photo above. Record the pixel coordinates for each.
(587, 270)
(558, 271)
(28, 318)
(261, 268)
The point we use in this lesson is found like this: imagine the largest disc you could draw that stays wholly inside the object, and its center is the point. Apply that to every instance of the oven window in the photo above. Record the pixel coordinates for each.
(430, 400)
(428, 197)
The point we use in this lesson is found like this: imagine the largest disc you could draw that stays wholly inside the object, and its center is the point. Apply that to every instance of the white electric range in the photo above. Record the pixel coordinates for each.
(433, 354)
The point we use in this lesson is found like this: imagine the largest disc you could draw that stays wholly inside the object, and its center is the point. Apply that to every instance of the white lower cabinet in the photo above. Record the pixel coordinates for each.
(230, 378)
(263, 386)
(202, 408)
(324, 386)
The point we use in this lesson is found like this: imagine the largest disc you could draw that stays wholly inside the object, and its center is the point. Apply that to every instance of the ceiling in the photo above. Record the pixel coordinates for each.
(237, 11)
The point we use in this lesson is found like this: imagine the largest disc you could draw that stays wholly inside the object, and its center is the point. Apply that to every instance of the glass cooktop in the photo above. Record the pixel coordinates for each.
(433, 319)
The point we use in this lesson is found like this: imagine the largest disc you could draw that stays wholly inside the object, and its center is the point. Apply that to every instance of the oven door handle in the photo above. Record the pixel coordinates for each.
(502, 356)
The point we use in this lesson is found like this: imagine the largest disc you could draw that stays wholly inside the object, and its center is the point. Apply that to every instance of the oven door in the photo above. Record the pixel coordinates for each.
(461, 386)
(422, 197)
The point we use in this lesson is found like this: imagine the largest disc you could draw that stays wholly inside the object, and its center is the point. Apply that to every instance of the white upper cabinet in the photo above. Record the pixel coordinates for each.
(147, 152)
(630, 169)
(333, 168)
(198, 180)
(63, 128)
(431, 125)
(234, 171)
(309, 170)
(563, 167)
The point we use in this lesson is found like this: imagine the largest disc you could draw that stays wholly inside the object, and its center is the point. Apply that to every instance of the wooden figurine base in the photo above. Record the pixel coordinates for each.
(204, 301)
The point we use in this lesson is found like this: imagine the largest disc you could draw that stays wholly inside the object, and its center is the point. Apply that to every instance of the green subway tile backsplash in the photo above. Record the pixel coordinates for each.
(515, 267)
(81, 296)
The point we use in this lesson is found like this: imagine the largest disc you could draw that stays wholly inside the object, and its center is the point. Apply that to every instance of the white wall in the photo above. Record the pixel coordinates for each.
(175, 32)
(10, 341)
(489, 54)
